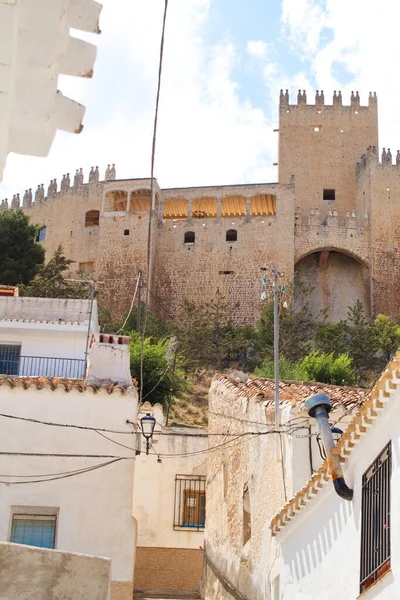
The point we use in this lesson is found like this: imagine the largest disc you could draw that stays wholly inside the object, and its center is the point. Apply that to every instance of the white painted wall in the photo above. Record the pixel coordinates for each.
(320, 547)
(47, 327)
(154, 492)
(95, 508)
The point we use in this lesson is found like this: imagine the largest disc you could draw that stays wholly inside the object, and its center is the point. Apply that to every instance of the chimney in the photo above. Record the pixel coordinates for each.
(319, 406)
(109, 361)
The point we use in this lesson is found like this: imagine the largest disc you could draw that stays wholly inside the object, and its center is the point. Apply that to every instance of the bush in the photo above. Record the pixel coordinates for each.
(326, 368)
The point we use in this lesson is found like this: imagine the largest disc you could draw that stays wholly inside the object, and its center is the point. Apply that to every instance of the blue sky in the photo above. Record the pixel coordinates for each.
(225, 61)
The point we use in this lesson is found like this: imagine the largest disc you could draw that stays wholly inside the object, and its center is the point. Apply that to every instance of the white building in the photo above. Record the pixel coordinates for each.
(67, 459)
(45, 336)
(169, 505)
(332, 548)
(252, 470)
(35, 48)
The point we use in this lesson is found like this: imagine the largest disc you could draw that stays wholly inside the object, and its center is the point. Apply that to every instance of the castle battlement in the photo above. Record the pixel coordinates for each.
(331, 221)
(337, 100)
(77, 186)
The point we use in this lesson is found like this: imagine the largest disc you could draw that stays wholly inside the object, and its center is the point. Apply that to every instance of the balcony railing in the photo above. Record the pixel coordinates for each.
(41, 366)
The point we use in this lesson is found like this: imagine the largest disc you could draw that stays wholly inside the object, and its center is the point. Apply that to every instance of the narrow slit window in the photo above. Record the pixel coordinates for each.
(329, 194)
(189, 237)
(41, 235)
(231, 235)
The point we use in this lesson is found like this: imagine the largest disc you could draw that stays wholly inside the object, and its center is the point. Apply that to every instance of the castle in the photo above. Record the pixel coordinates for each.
(332, 220)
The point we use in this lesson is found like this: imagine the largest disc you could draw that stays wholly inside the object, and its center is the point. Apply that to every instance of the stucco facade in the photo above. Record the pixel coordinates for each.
(168, 555)
(63, 470)
(320, 535)
(322, 223)
(250, 474)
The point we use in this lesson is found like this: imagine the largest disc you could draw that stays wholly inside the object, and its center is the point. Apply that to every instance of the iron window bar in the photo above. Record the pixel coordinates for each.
(190, 502)
(375, 519)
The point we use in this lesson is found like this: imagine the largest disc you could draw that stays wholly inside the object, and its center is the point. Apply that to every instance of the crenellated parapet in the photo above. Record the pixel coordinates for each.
(355, 101)
(78, 187)
(330, 220)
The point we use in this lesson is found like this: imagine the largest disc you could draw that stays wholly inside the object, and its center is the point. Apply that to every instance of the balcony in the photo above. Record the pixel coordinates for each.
(12, 363)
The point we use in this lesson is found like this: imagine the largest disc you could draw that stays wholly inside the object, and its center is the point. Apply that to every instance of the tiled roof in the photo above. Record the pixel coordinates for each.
(292, 392)
(379, 396)
(58, 383)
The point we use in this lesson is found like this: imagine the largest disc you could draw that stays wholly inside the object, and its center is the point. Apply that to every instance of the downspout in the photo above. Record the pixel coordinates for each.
(319, 406)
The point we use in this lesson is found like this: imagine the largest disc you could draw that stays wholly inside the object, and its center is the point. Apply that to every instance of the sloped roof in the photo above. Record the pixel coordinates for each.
(379, 396)
(292, 392)
(58, 383)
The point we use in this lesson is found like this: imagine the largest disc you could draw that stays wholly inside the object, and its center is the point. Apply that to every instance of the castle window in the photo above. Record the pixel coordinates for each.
(92, 218)
(126, 231)
(86, 267)
(189, 237)
(41, 236)
(329, 195)
(231, 235)
(317, 128)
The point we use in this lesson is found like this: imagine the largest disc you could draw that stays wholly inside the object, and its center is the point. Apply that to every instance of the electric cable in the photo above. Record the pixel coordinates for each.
(131, 307)
(84, 427)
(115, 442)
(152, 196)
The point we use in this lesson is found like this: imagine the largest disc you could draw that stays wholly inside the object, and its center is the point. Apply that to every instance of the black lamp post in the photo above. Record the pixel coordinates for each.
(147, 424)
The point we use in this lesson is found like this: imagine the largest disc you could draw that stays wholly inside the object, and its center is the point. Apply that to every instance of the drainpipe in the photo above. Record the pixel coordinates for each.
(319, 406)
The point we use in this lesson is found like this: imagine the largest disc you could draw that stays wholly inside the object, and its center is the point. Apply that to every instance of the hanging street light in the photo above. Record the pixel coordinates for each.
(147, 423)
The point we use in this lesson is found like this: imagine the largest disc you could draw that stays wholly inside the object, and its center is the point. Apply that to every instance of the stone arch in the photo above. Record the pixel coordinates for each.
(331, 280)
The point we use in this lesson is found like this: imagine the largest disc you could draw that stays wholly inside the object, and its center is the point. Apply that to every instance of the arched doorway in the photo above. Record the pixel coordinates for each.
(331, 281)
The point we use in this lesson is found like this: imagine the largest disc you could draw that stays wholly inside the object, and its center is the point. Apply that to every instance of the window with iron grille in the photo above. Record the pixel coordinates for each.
(190, 502)
(9, 359)
(375, 519)
(34, 530)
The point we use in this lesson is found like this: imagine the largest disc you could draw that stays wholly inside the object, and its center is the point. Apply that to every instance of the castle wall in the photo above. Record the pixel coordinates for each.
(383, 205)
(197, 270)
(320, 145)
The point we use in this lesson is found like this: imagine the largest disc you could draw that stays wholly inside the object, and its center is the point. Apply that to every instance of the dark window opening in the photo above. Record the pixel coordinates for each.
(226, 272)
(231, 235)
(375, 519)
(190, 502)
(41, 236)
(126, 231)
(329, 195)
(10, 356)
(246, 515)
(189, 237)
(92, 218)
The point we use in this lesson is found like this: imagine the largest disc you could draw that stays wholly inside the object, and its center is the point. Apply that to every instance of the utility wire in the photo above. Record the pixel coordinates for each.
(38, 421)
(131, 307)
(152, 196)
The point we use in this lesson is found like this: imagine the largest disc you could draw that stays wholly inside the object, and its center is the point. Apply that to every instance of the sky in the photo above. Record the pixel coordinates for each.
(224, 64)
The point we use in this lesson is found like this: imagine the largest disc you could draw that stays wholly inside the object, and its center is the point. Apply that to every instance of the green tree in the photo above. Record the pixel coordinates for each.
(163, 369)
(209, 336)
(20, 254)
(51, 280)
(360, 340)
(386, 335)
(328, 368)
(296, 330)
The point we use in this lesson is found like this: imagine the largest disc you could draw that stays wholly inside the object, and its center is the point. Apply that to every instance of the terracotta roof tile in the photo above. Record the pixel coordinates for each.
(54, 383)
(293, 392)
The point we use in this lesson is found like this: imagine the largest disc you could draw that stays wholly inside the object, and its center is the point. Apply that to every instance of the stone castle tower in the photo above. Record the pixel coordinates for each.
(332, 221)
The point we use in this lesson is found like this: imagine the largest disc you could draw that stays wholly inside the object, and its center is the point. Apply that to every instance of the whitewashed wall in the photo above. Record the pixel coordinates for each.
(320, 547)
(154, 493)
(94, 509)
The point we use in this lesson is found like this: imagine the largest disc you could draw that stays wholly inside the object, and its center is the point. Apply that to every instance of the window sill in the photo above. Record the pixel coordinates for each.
(371, 587)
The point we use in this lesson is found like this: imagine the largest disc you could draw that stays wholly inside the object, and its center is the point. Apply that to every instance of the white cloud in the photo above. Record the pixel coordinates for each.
(363, 43)
(257, 48)
(207, 134)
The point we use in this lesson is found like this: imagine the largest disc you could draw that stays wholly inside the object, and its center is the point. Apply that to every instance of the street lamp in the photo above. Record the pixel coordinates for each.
(147, 424)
